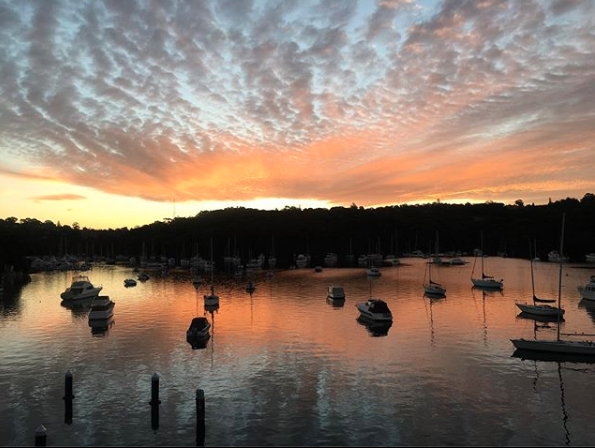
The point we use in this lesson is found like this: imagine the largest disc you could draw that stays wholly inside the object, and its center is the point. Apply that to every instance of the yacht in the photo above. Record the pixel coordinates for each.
(588, 291)
(432, 288)
(336, 293)
(590, 258)
(375, 309)
(301, 261)
(143, 276)
(102, 309)
(80, 289)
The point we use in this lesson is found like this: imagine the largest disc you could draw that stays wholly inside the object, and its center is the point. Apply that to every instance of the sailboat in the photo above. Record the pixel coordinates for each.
(374, 309)
(540, 307)
(559, 346)
(433, 288)
(486, 281)
(212, 299)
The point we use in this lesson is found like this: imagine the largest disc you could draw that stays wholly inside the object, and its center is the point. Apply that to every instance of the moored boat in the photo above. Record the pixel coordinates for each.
(375, 309)
(336, 293)
(81, 288)
(199, 329)
(588, 291)
(102, 309)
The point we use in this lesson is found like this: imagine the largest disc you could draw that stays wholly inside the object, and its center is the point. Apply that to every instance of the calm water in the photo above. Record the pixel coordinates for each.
(285, 367)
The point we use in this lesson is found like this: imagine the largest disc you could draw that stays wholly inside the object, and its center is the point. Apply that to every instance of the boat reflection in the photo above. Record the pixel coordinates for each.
(335, 303)
(79, 309)
(538, 318)
(374, 327)
(100, 328)
(552, 357)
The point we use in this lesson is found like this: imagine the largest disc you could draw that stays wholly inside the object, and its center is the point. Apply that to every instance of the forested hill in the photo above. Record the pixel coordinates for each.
(506, 228)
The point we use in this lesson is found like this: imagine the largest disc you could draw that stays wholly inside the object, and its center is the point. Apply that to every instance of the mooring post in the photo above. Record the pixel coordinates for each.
(41, 436)
(68, 397)
(200, 417)
(155, 390)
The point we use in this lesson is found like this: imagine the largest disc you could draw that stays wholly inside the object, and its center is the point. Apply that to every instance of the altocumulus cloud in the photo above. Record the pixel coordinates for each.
(342, 101)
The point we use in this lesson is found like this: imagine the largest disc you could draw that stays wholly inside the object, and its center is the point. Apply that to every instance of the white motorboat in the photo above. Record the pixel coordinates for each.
(81, 289)
(199, 329)
(102, 309)
(362, 261)
(588, 291)
(375, 309)
(590, 258)
(336, 293)
(129, 282)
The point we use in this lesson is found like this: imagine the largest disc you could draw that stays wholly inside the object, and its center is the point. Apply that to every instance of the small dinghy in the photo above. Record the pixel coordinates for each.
(199, 329)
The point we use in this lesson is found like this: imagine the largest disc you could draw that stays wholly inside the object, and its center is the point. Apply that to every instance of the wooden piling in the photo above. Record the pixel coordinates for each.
(40, 436)
(200, 417)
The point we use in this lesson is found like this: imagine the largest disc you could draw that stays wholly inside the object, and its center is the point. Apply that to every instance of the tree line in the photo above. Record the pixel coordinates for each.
(285, 233)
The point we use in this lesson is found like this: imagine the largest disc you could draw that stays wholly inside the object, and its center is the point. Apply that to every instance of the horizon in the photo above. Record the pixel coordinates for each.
(122, 114)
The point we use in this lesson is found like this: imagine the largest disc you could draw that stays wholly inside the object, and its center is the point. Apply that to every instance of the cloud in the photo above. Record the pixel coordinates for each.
(336, 101)
(58, 197)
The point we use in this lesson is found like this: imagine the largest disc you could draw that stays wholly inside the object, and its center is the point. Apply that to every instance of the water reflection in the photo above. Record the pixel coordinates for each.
(374, 327)
(588, 305)
(100, 328)
(335, 303)
(79, 309)
(538, 318)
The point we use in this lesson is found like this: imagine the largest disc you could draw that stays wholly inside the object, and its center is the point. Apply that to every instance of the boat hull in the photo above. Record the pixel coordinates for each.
(377, 317)
(85, 295)
(565, 347)
(540, 310)
(102, 315)
(488, 284)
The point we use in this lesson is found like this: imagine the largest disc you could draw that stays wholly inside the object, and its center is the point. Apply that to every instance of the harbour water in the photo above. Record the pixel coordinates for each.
(286, 367)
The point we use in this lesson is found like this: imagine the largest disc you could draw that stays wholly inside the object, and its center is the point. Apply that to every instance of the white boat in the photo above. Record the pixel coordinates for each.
(432, 288)
(590, 258)
(562, 346)
(554, 257)
(485, 281)
(373, 272)
(375, 309)
(540, 307)
(199, 329)
(336, 293)
(129, 282)
(301, 261)
(212, 299)
(81, 289)
(588, 291)
(102, 309)
(457, 262)
(330, 260)
(362, 261)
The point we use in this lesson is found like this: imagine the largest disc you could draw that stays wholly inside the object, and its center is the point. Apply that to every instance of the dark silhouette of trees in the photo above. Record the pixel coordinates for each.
(506, 228)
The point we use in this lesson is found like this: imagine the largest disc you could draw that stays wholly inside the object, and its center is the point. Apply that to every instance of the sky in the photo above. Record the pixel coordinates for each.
(120, 113)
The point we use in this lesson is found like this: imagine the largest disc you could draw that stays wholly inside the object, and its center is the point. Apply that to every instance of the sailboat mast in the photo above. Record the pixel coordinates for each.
(532, 276)
(560, 275)
(482, 256)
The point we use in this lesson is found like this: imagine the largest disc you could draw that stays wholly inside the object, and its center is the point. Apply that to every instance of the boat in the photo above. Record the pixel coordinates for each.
(318, 269)
(540, 307)
(199, 329)
(129, 282)
(456, 262)
(250, 287)
(558, 346)
(590, 258)
(102, 309)
(554, 257)
(336, 293)
(486, 281)
(432, 288)
(362, 261)
(330, 260)
(211, 299)
(301, 261)
(81, 289)
(197, 280)
(373, 272)
(588, 291)
(143, 277)
(375, 309)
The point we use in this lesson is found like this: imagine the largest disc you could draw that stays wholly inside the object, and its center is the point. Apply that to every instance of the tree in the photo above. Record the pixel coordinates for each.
(519, 203)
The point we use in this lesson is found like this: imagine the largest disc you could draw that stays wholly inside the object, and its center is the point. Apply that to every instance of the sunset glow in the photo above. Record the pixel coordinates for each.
(122, 113)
